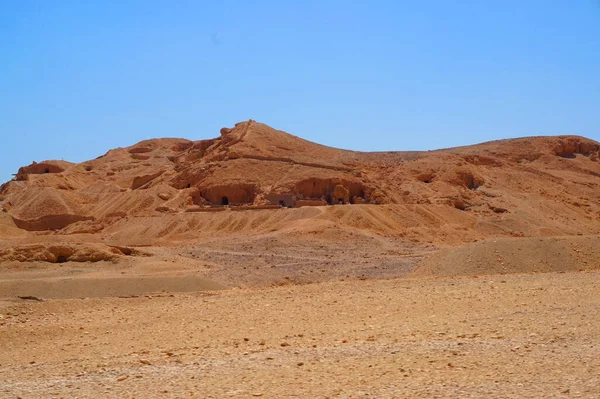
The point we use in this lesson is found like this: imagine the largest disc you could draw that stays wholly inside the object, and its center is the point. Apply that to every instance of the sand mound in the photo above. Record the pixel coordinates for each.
(520, 255)
(427, 223)
(45, 208)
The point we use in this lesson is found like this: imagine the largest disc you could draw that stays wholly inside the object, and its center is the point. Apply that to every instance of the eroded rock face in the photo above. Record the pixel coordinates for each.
(38, 169)
(50, 222)
(340, 194)
(469, 180)
(67, 253)
(570, 146)
(283, 199)
(252, 165)
(230, 194)
(182, 145)
(198, 149)
(331, 190)
(140, 157)
(139, 181)
(426, 177)
(140, 150)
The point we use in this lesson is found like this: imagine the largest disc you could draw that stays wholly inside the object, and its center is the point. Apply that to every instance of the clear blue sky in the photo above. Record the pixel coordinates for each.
(80, 77)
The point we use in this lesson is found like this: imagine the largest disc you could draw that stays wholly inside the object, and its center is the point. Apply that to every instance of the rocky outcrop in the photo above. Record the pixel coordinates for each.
(139, 181)
(68, 252)
(140, 150)
(568, 147)
(50, 222)
(229, 194)
(340, 194)
(41, 168)
(468, 180)
(331, 190)
(252, 165)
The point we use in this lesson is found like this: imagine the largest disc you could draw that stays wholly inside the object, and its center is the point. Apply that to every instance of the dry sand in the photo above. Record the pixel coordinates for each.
(515, 336)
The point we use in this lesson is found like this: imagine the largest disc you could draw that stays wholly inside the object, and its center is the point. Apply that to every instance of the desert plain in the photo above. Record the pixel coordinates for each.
(258, 264)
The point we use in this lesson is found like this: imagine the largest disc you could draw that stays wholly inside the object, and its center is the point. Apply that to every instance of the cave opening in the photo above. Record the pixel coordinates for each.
(471, 184)
(224, 200)
(46, 170)
(61, 259)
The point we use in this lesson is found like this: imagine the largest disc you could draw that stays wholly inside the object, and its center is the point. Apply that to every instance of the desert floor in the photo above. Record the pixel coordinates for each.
(498, 336)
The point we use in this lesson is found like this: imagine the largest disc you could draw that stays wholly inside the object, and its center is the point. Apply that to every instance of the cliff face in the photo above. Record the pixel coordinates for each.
(529, 186)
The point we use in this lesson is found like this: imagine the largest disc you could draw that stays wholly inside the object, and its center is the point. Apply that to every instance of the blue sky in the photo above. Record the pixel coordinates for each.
(80, 77)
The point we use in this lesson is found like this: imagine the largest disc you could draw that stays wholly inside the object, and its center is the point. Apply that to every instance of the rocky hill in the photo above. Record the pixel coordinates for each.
(551, 183)
(254, 183)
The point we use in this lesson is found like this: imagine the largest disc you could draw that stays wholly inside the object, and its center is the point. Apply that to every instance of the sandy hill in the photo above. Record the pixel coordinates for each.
(253, 184)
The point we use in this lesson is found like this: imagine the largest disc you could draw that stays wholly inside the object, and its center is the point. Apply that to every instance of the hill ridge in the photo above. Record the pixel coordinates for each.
(252, 166)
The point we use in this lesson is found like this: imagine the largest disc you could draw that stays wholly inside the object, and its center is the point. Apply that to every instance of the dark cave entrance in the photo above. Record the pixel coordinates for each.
(224, 200)
(61, 259)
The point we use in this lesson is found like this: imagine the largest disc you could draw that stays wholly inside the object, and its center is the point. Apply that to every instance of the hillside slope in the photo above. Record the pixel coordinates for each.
(254, 183)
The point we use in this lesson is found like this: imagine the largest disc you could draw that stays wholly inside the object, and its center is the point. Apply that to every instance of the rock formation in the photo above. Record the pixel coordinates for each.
(252, 166)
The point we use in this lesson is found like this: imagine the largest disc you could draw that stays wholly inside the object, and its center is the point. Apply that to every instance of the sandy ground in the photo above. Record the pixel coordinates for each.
(513, 336)
(240, 262)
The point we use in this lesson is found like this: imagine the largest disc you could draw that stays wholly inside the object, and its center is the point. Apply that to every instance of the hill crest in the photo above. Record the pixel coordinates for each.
(252, 166)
